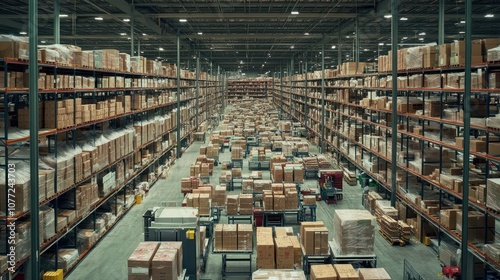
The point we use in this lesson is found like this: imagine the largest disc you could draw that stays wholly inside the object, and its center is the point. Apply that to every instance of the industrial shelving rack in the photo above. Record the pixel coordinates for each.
(249, 88)
(357, 132)
(194, 93)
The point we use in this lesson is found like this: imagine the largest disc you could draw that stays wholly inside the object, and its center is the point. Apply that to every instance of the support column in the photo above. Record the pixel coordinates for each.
(322, 137)
(441, 23)
(33, 271)
(57, 22)
(281, 90)
(357, 42)
(394, 138)
(138, 47)
(339, 47)
(467, 95)
(178, 95)
(132, 22)
(197, 87)
(306, 106)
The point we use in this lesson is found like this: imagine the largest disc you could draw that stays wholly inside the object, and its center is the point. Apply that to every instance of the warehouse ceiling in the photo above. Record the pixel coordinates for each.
(249, 35)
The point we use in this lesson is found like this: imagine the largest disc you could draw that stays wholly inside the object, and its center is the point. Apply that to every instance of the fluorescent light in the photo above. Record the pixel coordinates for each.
(43, 42)
(142, 52)
(183, 20)
(129, 38)
(462, 21)
(291, 47)
(200, 33)
(63, 15)
(98, 18)
(123, 34)
(380, 44)
(295, 12)
(421, 34)
(489, 16)
(376, 59)
(404, 38)
(307, 33)
(126, 19)
(22, 33)
(403, 18)
(388, 16)
(365, 50)
(347, 36)
(144, 34)
(160, 49)
(333, 47)
(462, 32)
(421, 39)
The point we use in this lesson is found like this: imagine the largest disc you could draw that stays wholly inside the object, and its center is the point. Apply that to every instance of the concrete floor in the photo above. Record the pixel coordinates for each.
(108, 260)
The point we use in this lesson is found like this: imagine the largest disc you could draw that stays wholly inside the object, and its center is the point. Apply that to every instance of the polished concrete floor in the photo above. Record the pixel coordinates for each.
(108, 260)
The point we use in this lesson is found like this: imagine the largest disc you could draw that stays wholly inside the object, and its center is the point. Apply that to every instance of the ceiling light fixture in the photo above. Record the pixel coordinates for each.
(63, 15)
(403, 18)
(489, 16)
(126, 19)
(160, 49)
(347, 36)
(295, 12)
(307, 33)
(183, 20)
(462, 21)
(380, 44)
(291, 47)
(404, 38)
(388, 16)
(142, 52)
(421, 34)
(421, 39)
(98, 18)
(23, 33)
(144, 34)
(461, 32)
(123, 34)
(365, 50)
(333, 47)
(43, 42)
(200, 33)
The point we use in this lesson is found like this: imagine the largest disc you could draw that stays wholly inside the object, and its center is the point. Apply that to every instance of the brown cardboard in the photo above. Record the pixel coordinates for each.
(346, 272)
(323, 272)
(139, 262)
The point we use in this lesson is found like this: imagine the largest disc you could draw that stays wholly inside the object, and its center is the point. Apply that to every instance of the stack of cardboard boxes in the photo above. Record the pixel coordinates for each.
(232, 204)
(265, 248)
(323, 272)
(233, 237)
(314, 238)
(353, 232)
(246, 204)
(156, 261)
(190, 184)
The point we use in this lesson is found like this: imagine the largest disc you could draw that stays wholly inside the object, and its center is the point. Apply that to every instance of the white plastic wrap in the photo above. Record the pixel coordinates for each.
(354, 232)
(494, 54)
(278, 274)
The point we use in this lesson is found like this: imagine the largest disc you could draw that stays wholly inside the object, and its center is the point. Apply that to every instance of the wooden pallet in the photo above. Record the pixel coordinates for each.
(390, 240)
(493, 210)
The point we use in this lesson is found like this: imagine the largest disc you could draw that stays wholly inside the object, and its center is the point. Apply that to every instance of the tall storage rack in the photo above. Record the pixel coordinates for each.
(357, 132)
(96, 145)
(249, 88)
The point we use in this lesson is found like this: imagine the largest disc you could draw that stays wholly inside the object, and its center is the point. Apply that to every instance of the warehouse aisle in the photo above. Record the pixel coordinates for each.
(108, 260)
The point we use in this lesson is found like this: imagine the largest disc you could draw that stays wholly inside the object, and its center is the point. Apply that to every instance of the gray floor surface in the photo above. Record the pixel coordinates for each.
(108, 260)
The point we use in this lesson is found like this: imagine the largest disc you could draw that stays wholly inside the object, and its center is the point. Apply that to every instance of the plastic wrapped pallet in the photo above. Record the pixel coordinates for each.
(353, 232)
(493, 194)
(493, 251)
(278, 274)
(493, 54)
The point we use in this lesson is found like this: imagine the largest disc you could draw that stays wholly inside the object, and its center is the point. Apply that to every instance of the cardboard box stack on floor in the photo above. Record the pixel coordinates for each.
(219, 196)
(284, 252)
(232, 204)
(314, 238)
(281, 197)
(353, 232)
(233, 237)
(323, 272)
(246, 204)
(155, 261)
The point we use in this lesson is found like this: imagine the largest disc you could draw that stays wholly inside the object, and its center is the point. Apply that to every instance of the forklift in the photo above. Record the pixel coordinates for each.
(330, 184)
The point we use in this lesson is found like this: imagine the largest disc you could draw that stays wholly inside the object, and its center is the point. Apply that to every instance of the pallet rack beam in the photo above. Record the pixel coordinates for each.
(34, 262)
(57, 22)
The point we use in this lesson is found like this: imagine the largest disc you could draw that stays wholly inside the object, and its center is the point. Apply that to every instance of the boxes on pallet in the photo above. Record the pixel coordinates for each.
(230, 237)
(232, 204)
(309, 200)
(218, 238)
(265, 248)
(354, 232)
(297, 250)
(246, 204)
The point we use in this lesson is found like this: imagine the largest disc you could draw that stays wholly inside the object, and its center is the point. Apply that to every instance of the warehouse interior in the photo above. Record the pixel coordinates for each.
(287, 139)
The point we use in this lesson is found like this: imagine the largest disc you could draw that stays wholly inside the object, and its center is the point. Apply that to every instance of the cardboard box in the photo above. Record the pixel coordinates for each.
(309, 200)
(346, 272)
(139, 262)
(284, 253)
(373, 274)
(323, 272)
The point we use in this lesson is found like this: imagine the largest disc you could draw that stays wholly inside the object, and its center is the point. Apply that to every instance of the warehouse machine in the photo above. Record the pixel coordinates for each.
(330, 183)
(176, 224)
